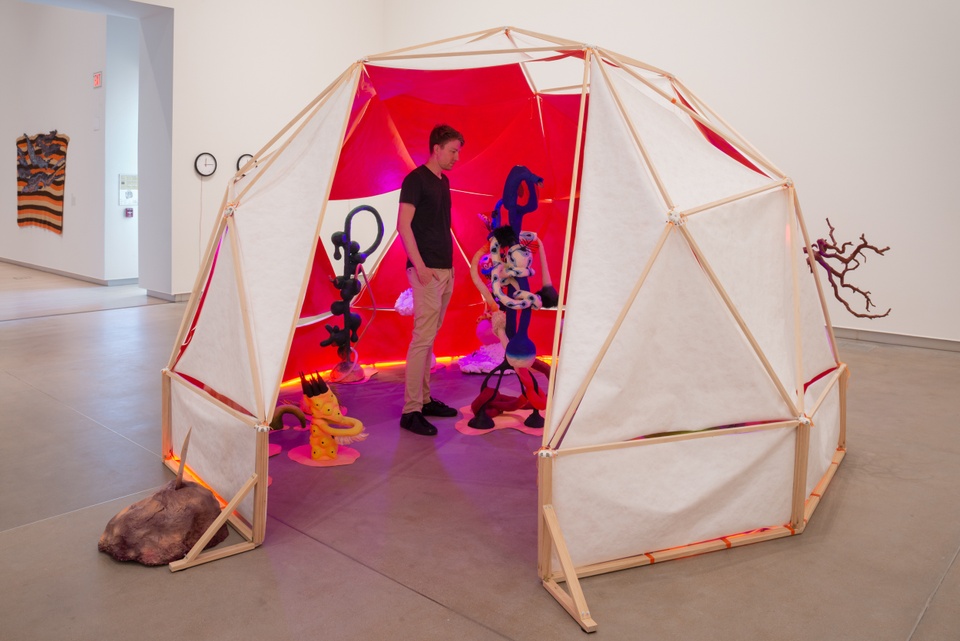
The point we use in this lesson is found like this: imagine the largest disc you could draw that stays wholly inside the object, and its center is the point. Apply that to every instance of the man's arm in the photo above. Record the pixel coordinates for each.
(404, 221)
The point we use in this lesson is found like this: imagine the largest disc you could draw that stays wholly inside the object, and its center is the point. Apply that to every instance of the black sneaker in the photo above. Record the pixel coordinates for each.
(414, 422)
(438, 408)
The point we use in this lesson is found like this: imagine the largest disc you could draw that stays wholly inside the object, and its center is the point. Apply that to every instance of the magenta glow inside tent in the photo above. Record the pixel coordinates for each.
(696, 400)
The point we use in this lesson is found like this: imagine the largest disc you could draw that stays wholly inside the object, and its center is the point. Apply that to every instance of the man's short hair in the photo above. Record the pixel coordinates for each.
(442, 134)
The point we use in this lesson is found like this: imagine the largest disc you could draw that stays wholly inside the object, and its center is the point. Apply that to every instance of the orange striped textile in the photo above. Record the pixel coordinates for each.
(41, 169)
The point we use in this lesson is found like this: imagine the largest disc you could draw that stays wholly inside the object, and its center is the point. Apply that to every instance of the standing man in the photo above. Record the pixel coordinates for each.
(424, 227)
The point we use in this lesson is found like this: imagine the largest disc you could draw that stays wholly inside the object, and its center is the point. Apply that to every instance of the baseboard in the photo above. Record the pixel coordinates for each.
(896, 339)
(87, 279)
(170, 298)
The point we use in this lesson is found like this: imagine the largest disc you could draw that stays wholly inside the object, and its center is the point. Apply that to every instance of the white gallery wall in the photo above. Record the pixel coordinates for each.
(50, 82)
(242, 69)
(857, 101)
(854, 100)
(120, 129)
(48, 85)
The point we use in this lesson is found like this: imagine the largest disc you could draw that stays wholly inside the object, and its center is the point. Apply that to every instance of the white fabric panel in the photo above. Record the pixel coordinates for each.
(678, 362)
(658, 81)
(222, 449)
(693, 170)
(814, 336)
(746, 242)
(274, 257)
(613, 504)
(825, 432)
(620, 219)
(217, 354)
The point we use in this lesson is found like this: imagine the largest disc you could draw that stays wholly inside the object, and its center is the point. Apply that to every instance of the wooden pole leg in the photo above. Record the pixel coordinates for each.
(573, 601)
(196, 555)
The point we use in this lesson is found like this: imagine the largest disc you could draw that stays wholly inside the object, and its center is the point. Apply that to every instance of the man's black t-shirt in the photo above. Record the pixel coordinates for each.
(431, 220)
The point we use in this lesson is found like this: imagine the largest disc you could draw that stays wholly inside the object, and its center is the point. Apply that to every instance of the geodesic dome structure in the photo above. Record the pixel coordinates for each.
(697, 398)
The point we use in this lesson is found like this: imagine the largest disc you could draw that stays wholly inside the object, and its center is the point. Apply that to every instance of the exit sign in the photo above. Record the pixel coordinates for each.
(98, 80)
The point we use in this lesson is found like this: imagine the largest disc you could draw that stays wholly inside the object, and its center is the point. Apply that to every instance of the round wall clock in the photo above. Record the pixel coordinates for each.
(243, 160)
(205, 164)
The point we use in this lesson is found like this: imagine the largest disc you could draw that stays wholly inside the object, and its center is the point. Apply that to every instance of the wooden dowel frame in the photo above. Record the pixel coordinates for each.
(695, 99)
(682, 552)
(540, 36)
(476, 35)
(246, 316)
(625, 62)
(565, 263)
(797, 320)
(837, 374)
(236, 520)
(573, 601)
(721, 543)
(240, 416)
(253, 533)
(166, 427)
(801, 456)
(305, 277)
(262, 155)
(544, 497)
(638, 141)
(693, 114)
(303, 121)
(730, 199)
(571, 409)
(708, 270)
(674, 438)
(844, 381)
(524, 67)
(189, 314)
(261, 467)
(196, 555)
(240, 524)
(816, 274)
(817, 494)
(470, 54)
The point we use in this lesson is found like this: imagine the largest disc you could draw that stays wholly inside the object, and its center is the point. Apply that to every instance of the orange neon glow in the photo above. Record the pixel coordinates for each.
(190, 475)
(295, 382)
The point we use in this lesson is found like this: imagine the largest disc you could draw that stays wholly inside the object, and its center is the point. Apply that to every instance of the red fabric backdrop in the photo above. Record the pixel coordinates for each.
(505, 124)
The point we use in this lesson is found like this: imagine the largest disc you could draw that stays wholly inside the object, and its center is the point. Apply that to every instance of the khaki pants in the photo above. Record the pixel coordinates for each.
(429, 305)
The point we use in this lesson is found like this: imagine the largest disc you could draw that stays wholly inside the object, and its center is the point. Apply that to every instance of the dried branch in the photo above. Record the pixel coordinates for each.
(849, 260)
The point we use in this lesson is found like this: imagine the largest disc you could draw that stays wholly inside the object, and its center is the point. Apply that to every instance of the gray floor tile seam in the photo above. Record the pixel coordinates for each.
(380, 479)
(376, 482)
(901, 439)
(394, 580)
(423, 476)
(933, 593)
(49, 314)
(70, 408)
(80, 510)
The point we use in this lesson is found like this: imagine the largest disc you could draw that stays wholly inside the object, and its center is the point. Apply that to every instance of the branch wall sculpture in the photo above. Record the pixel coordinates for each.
(838, 260)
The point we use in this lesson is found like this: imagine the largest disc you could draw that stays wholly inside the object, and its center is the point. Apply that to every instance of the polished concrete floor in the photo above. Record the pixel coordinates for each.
(433, 538)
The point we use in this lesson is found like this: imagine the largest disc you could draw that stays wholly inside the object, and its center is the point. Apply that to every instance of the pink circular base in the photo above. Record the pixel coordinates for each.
(507, 420)
(301, 454)
(273, 449)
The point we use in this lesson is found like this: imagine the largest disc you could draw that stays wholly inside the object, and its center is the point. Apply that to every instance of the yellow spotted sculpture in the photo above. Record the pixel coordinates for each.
(321, 403)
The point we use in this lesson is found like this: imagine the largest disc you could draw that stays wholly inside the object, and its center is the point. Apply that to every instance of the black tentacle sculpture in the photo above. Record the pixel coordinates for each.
(349, 286)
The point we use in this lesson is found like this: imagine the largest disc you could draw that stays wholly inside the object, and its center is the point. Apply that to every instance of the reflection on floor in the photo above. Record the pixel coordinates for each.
(434, 538)
(28, 293)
